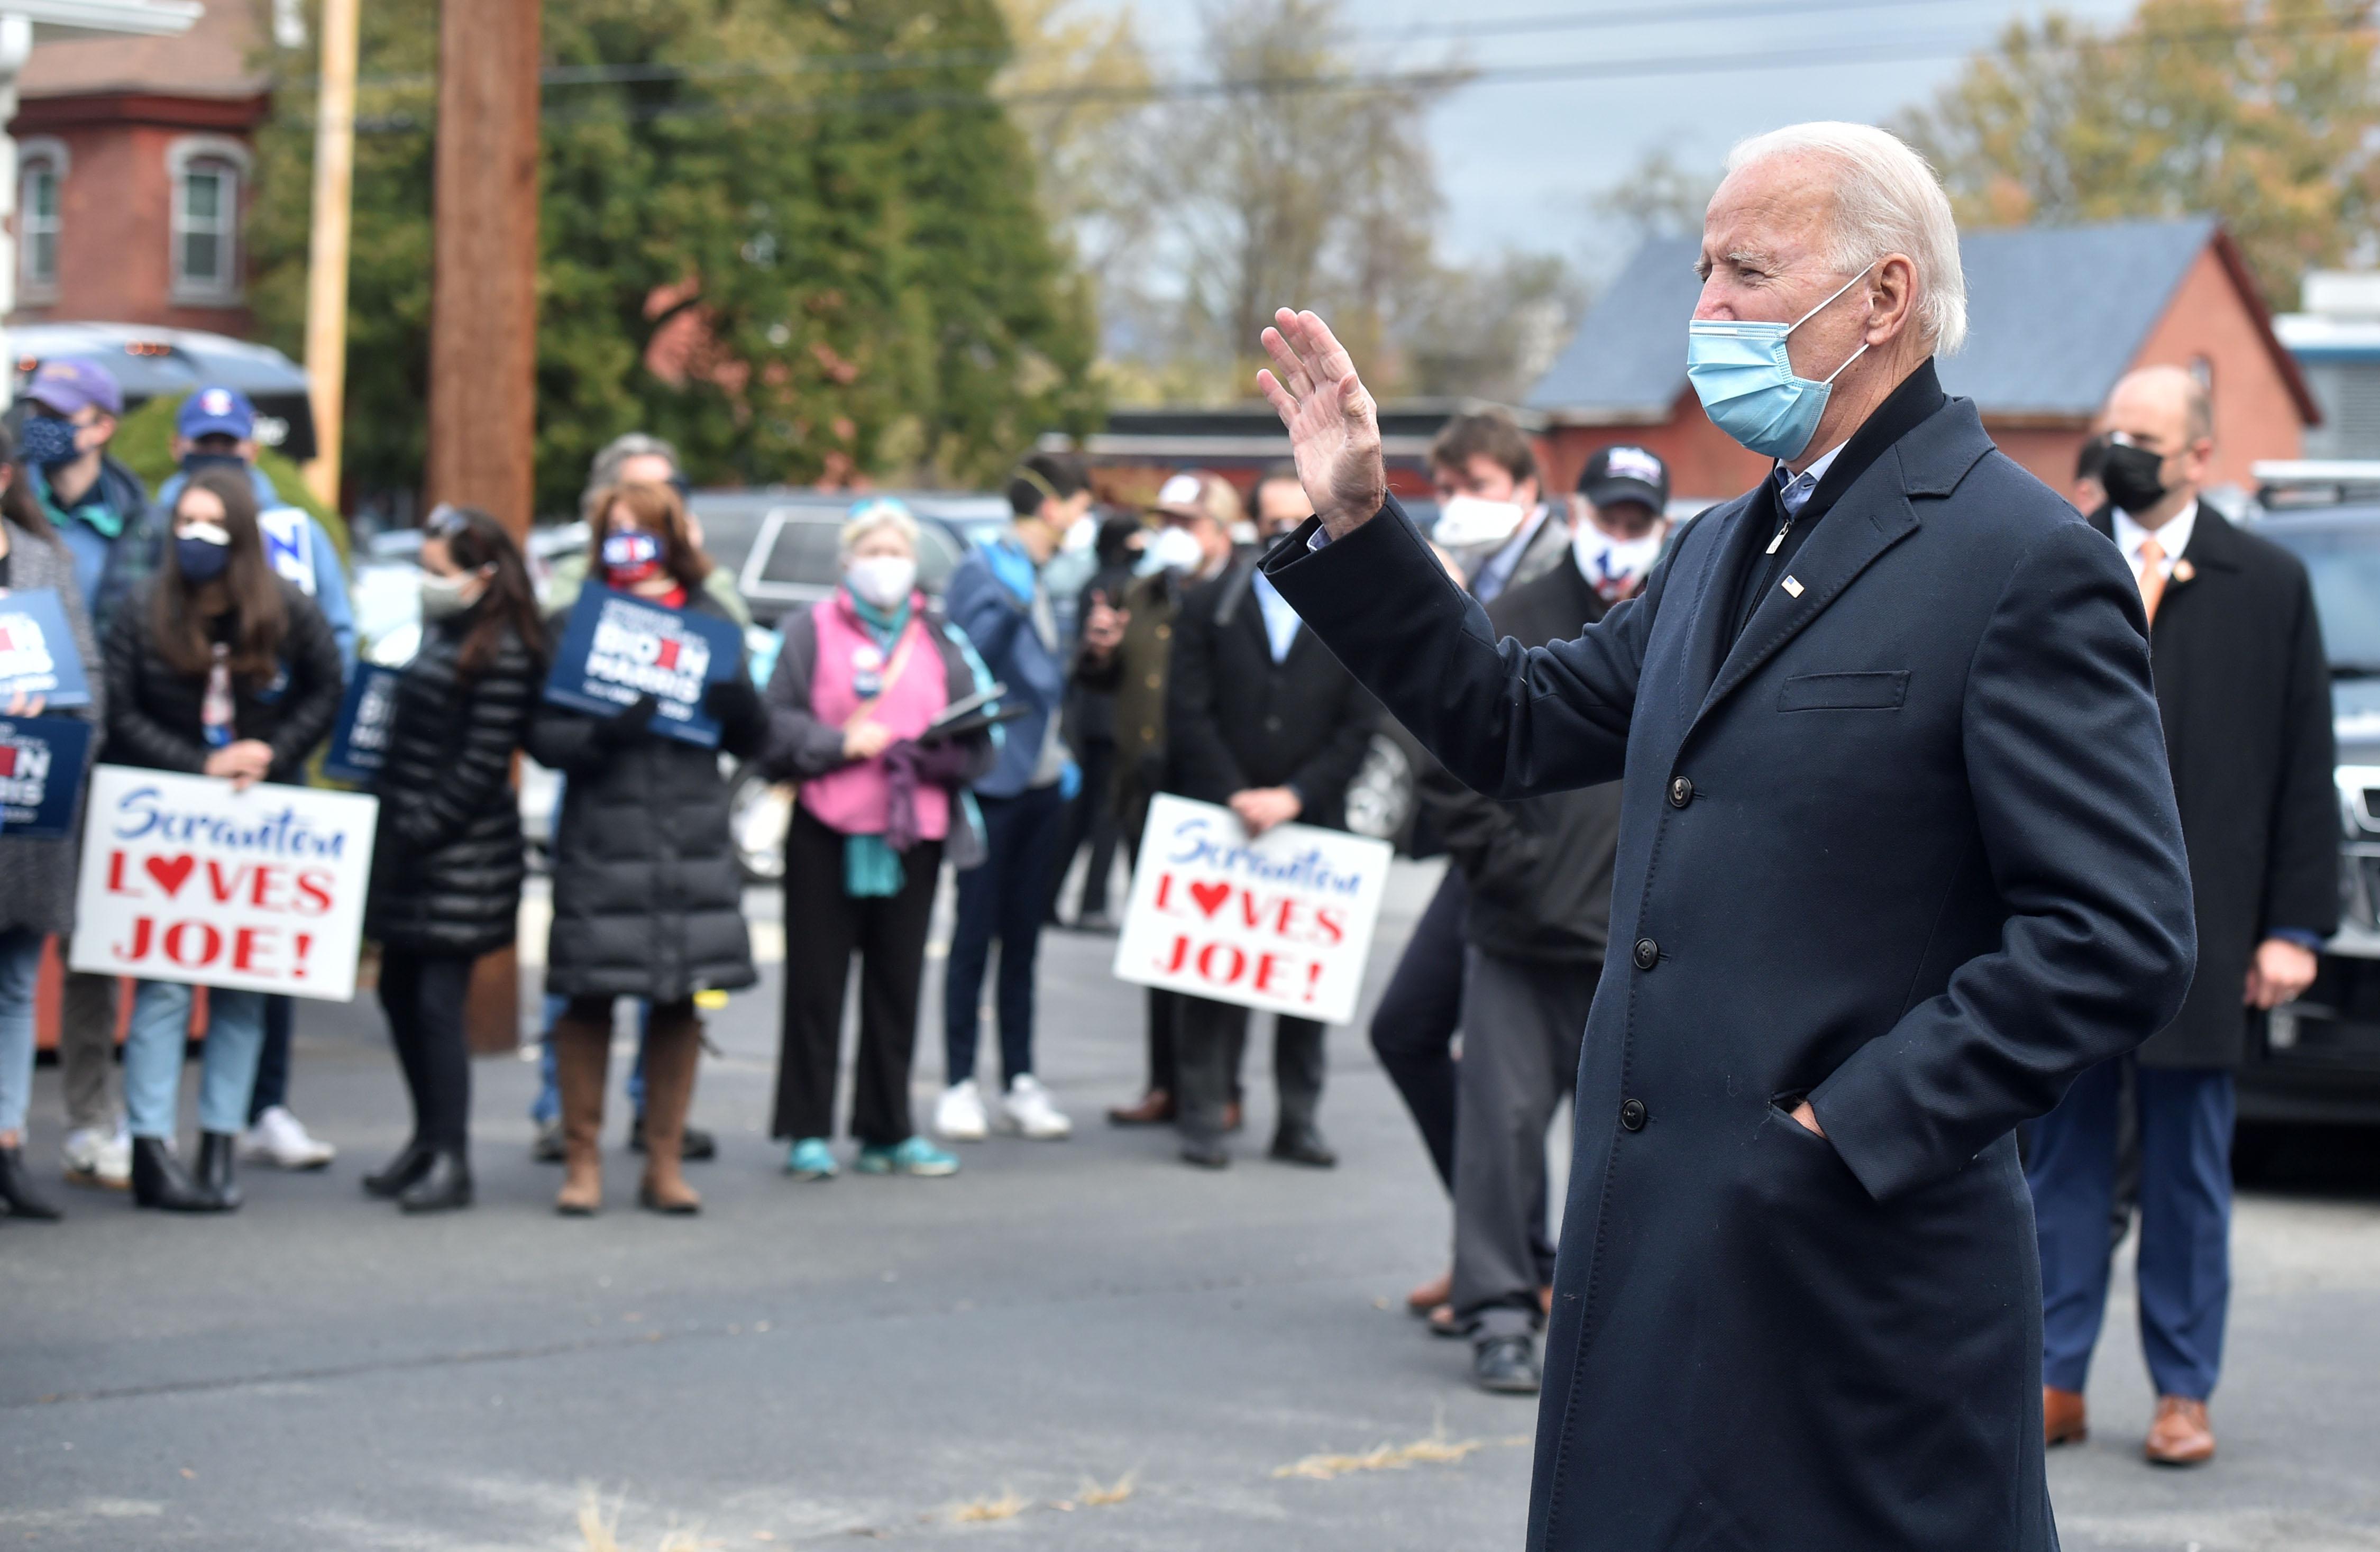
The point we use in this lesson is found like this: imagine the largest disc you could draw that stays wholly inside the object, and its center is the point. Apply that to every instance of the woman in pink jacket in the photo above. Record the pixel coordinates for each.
(863, 677)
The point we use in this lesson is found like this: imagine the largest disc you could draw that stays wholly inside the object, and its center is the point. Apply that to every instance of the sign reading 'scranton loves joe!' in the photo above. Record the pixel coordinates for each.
(1283, 921)
(616, 650)
(185, 879)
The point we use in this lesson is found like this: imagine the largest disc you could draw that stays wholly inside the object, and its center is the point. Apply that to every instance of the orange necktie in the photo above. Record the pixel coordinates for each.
(2152, 577)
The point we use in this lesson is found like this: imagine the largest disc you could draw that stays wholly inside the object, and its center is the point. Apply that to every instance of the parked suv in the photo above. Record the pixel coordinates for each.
(2318, 1058)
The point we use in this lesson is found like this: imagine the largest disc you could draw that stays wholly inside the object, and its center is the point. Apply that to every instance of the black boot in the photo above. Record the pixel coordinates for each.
(408, 1166)
(159, 1181)
(217, 1150)
(17, 1192)
(444, 1183)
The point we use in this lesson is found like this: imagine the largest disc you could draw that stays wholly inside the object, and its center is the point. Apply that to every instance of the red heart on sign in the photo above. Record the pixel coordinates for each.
(1211, 897)
(170, 871)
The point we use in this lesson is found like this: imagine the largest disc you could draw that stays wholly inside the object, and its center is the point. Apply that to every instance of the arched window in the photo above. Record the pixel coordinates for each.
(207, 172)
(41, 188)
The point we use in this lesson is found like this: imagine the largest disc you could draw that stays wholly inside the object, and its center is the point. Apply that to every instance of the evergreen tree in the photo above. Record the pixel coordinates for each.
(801, 240)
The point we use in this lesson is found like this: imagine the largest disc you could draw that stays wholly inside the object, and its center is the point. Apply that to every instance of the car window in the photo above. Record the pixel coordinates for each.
(2344, 564)
(938, 556)
(803, 553)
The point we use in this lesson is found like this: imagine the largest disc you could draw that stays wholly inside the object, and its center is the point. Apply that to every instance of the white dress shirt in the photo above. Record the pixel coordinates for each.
(1496, 570)
(1280, 620)
(2173, 538)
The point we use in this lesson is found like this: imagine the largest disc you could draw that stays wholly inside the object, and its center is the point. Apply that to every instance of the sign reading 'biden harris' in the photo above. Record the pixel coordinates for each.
(616, 650)
(1282, 921)
(37, 650)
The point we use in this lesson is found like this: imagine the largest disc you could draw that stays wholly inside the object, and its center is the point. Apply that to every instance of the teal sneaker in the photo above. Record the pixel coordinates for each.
(811, 1159)
(915, 1157)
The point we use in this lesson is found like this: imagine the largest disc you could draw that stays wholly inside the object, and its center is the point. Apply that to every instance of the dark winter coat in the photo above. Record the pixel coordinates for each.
(1236, 720)
(448, 862)
(37, 878)
(1134, 676)
(648, 895)
(2245, 693)
(154, 709)
(1539, 870)
(1905, 848)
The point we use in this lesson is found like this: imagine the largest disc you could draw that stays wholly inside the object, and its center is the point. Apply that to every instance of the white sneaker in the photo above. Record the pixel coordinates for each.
(280, 1139)
(958, 1114)
(101, 1159)
(1028, 1108)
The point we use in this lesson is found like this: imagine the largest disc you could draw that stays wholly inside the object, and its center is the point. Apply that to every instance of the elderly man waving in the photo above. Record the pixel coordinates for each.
(1898, 859)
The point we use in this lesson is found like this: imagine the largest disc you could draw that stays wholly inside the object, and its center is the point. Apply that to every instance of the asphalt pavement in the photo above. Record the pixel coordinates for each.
(1075, 1345)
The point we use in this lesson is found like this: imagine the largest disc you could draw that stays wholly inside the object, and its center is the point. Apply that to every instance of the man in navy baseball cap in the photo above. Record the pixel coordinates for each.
(217, 411)
(1625, 525)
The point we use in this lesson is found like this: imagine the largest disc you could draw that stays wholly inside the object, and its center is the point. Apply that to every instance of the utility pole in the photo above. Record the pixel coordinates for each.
(483, 323)
(483, 287)
(326, 269)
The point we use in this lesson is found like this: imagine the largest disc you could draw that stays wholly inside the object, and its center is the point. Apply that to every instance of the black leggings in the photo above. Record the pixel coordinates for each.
(424, 994)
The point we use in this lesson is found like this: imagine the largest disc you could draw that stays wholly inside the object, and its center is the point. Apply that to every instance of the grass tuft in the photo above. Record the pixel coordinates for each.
(1434, 1451)
(1093, 1495)
(1008, 1506)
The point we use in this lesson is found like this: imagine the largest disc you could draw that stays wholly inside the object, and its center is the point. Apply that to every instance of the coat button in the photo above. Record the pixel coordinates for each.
(1648, 953)
(1631, 1114)
(1682, 792)
(1155, 682)
(1165, 633)
(1273, 725)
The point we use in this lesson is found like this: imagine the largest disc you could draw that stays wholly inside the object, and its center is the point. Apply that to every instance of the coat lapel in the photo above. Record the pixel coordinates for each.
(1733, 527)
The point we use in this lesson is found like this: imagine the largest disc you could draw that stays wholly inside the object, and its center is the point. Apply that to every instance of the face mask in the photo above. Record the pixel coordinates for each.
(443, 598)
(199, 462)
(1745, 380)
(630, 557)
(1174, 550)
(2133, 477)
(1613, 566)
(49, 441)
(201, 551)
(882, 581)
(1082, 537)
(1465, 522)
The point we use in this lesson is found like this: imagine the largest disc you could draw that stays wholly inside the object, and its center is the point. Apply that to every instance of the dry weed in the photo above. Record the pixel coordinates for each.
(1434, 1451)
(1008, 1506)
(1093, 1495)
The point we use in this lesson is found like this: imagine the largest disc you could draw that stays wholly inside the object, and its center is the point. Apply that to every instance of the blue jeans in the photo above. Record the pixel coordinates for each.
(1005, 896)
(20, 964)
(546, 1109)
(2185, 1255)
(152, 1058)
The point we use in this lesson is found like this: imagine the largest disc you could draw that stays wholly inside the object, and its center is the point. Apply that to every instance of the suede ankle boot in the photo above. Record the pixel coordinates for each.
(582, 1059)
(673, 1049)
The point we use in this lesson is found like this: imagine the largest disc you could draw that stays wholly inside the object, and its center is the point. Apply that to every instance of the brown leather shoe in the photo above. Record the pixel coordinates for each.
(1156, 1108)
(1429, 1295)
(2179, 1435)
(582, 1054)
(2062, 1419)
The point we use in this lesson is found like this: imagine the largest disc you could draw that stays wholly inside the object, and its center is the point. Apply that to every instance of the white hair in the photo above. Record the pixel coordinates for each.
(869, 516)
(1886, 201)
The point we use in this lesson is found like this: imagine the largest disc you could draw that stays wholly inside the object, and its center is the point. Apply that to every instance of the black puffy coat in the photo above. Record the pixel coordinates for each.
(448, 862)
(647, 897)
(154, 711)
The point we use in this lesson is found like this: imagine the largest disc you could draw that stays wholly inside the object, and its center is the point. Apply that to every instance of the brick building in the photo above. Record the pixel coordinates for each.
(2055, 315)
(134, 163)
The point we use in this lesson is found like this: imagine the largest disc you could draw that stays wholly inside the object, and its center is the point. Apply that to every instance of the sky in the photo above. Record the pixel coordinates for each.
(1520, 159)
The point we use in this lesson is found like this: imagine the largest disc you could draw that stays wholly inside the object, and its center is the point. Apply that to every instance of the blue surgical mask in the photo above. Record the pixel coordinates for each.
(201, 558)
(1745, 380)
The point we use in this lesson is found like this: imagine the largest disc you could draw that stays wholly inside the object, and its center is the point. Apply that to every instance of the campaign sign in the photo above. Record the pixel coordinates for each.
(359, 738)
(41, 771)
(1282, 922)
(616, 648)
(185, 879)
(37, 650)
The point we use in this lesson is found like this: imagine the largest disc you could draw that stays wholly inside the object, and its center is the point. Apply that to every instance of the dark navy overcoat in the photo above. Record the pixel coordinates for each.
(1906, 847)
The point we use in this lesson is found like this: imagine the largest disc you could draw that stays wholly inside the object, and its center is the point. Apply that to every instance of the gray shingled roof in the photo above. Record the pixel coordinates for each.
(2054, 316)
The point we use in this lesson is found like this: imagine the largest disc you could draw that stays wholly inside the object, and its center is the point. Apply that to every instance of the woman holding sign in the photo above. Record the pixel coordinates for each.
(647, 897)
(221, 669)
(37, 876)
(447, 867)
(860, 688)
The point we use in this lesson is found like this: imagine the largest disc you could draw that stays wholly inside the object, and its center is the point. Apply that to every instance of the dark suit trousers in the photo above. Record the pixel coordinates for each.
(2185, 1258)
(1005, 896)
(1209, 1037)
(1412, 1030)
(823, 928)
(1522, 1021)
(1090, 818)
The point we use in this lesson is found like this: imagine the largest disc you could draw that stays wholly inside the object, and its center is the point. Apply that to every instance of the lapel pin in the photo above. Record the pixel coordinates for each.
(2184, 571)
(1792, 588)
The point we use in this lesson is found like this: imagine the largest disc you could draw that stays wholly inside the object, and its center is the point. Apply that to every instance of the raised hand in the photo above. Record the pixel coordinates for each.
(1334, 428)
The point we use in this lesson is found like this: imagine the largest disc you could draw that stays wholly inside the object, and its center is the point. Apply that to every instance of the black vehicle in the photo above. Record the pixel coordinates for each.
(2318, 1058)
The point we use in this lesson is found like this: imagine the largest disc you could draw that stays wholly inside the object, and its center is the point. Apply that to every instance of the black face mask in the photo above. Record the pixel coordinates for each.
(2133, 477)
(199, 462)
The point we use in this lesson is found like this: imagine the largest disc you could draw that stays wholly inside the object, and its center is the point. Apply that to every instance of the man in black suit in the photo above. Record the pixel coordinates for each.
(1899, 859)
(2245, 695)
(1260, 716)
